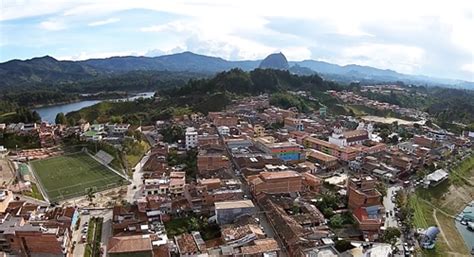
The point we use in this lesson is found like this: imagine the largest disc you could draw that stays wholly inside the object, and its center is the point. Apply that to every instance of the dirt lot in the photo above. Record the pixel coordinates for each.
(6, 172)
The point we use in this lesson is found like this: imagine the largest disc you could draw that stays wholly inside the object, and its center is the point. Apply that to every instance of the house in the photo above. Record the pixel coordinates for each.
(137, 246)
(365, 202)
(276, 182)
(435, 178)
(228, 211)
(212, 158)
(190, 244)
(325, 160)
(286, 151)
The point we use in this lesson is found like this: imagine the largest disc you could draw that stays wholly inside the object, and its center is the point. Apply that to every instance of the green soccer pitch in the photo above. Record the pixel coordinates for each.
(73, 175)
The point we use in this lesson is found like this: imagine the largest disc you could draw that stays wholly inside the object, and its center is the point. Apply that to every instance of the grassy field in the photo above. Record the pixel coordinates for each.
(35, 193)
(72, 175)
(437, 206)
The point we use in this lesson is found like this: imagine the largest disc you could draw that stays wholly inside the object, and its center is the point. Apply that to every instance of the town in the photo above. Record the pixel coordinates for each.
(252, 180)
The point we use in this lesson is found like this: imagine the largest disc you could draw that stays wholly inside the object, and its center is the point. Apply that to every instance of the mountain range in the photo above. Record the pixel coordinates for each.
(47, 70)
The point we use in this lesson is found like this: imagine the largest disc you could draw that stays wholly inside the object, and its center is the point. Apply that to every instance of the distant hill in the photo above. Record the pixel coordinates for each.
(43, 70)
(275, 61)
(47, 70)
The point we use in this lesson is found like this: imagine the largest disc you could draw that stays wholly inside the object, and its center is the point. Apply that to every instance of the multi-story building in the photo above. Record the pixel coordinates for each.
(365, 202)
(137, 245)
(208, 140)
(348, 138)
(293, 124)
(228, 211)
(259, 130)
(229, 121)
(206, 192)
(22, 238)
(191, 138)
(286, 151)
(276, 182)
(326, 161)
(212, 158)
(343, 153)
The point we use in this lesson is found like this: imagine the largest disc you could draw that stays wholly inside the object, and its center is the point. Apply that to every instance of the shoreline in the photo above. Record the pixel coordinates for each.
(91, 97)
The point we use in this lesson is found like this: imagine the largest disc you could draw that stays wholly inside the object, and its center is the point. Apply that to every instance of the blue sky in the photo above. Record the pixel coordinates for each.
(414, 37)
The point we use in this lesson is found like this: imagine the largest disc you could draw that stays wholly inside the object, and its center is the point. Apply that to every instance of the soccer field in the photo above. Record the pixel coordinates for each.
(69, 176)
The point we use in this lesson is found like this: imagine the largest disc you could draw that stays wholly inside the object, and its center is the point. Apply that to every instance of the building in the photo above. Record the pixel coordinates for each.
(229, 121)
(348, 138)
(137, 246)
(223, 130)
(276, 182)
(204, 193)
(286, 151)
(228, 211)
(343, 153)
(365, 202)
(22, 238)
(208, 140)
(191, 138)
(238, 235)
(325, 160)
(212, 158)
(293, 124)
(435, 178)
(190, 244)
(259, 130)
(428, 237)
(5, 198)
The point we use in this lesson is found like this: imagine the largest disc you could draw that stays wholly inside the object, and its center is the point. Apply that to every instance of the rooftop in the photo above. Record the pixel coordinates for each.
(234, 204)
(279, 175)
(127, 244)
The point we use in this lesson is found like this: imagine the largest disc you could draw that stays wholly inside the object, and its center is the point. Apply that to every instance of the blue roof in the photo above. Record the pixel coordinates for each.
(432, 232)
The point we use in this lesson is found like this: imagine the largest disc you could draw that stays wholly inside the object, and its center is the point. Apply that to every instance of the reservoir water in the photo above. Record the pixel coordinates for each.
(48, 113)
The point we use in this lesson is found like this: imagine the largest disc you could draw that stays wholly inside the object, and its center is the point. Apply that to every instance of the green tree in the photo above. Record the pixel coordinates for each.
(382, 188)
(60, 119)
(71, 121)
(336, 221)
(391, 235)
(343, 245)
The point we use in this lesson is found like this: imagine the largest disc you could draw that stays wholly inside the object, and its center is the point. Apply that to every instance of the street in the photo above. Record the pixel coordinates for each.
(106, 230)
(133, 190)
(390, 219)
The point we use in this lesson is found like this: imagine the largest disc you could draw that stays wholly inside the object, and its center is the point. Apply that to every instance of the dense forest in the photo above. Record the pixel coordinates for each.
(184, 92)
(50, 93)
(205, 95)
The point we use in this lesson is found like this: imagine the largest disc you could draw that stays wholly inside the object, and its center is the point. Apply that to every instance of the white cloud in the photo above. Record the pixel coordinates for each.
(52, 25)
(468, 67)
(88, 55)
(103, 22)
(238, 29)
(386, 56)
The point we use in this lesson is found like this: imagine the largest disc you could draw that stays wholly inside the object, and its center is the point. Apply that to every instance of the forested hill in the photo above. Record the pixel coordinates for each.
(254, 82)
(49, 71)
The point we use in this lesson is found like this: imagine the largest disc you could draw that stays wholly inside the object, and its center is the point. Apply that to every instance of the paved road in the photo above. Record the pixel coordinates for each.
(106, 230)
(390, 220)
(133, 194)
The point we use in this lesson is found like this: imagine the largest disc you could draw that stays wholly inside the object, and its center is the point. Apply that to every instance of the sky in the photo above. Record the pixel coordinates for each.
(434, 38)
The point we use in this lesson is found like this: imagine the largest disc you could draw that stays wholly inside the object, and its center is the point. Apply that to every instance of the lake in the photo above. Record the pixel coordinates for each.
(48, 113)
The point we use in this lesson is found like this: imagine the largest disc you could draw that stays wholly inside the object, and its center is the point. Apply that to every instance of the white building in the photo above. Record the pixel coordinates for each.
(223, 130)
(191, 138)
(349, 138)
